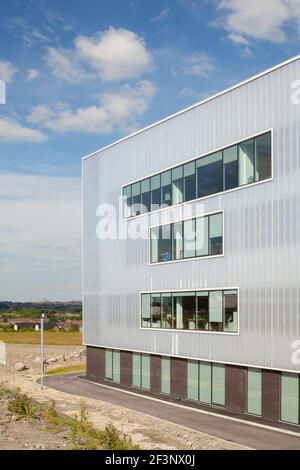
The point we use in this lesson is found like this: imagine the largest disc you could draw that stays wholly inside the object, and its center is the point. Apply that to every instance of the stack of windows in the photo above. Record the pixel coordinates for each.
(198, 237)
(199, 310)
(112, 365)
(245, 163)
(206, 382)
(141, 370)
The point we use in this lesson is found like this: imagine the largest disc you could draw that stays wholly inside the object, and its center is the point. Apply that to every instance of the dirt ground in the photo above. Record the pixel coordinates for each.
(146, 431)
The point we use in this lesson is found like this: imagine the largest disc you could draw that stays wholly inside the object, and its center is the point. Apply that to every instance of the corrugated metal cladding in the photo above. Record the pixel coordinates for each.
(262, 228)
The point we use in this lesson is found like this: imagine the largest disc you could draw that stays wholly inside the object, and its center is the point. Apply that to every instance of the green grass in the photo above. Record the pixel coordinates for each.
(52, 338)
(65, 370)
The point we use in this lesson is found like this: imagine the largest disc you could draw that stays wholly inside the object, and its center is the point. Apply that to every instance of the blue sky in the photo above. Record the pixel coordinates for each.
(82, 74)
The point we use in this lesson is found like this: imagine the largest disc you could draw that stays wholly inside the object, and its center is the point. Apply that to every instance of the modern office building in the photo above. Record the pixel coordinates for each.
(191, 261)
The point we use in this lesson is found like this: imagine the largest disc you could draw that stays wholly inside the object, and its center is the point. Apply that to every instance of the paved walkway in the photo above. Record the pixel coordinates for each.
(223, 427)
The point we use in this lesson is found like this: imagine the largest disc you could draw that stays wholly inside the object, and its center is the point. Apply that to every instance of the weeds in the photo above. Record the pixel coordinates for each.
(57, 422)
(84, 436)
(22, 405)
(82, 433)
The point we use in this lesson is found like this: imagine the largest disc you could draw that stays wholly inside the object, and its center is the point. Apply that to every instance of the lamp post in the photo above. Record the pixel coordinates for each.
(42, 350)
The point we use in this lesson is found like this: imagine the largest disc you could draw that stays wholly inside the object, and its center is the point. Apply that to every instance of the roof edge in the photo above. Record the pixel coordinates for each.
(195, 105)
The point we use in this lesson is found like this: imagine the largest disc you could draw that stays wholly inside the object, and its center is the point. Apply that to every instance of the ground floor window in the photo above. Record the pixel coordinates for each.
(254, 386)
(290, 398)
(206, 382)
(112, 365)
(165, 375)
(141, 370)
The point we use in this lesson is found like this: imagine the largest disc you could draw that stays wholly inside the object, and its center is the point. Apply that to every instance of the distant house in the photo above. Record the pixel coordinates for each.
(73, 325)
(29, 324)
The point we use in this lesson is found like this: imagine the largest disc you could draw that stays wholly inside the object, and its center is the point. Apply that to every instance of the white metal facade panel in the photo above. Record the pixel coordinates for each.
(261, 223)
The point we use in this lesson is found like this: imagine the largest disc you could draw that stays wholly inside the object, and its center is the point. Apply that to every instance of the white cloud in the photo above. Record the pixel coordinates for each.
(11, 131)
(163, 14)
(64, 66)
(257, 19)
(40, 225)
(112, 55)
(199, 64)
(117, 110)
(40, 113)
(7, 71)
(32, 74)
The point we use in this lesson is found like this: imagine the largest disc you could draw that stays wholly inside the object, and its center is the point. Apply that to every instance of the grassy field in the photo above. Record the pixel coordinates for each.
(52, 338)
(65, 370)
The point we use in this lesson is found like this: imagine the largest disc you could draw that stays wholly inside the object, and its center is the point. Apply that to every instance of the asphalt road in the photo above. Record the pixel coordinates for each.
(230, 430)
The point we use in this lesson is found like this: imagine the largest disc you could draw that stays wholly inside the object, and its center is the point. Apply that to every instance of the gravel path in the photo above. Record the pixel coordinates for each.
(147, 431)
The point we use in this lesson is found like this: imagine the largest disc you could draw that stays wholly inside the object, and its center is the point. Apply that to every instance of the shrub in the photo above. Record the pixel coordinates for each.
(22, 405)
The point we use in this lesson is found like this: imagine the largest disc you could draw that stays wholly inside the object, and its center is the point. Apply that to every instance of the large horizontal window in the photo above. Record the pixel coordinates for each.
(193, 238)
(214, 310)
(206, 382)
(244, 163)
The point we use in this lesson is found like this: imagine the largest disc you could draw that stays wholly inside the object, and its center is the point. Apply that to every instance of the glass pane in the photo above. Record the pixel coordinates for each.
(202, 311)
(290, 397)
(202, 236)
(177, 241)
(189, 172)
(205, 382)
(155, 193)
(177, 312)
(155, 311)
(108, 364)
(136, 199)
(189, 238)
(154, 244)
(210, 174)
(177, 185)
(218, 385)
(116, 366)
(146, 195)
(166, 189)
(127, 202)
(145, 185)
(136, 369)
(216, 310)
(230, 311)
(165, 243)
(230, 168)
(254, 391)
(145, 371)
(189, 310)
(193, 380)
(165, 375)
(166, 310)
(263, 164)
(246, 162)
(146, 310)
(216, 234)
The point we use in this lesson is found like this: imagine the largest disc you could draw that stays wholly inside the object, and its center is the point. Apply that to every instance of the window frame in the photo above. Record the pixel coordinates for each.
(173, 294)
(114, 353)
(297, 376)
(192, 258)
(141, 375)
(212, 391)
(237, 142)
